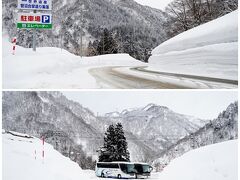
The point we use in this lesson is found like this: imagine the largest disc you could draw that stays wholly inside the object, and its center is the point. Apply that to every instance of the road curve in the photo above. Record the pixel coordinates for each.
(210, 79)
(108, 77)
(140, 78)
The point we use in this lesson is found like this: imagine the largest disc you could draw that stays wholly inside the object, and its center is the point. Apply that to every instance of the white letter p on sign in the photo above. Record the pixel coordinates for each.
(45, 18)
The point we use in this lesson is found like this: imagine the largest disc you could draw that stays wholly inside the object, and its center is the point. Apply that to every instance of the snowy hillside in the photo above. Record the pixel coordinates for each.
(208, 50)
(223, 128)
(54, 68)
(20, 161)
(214, 162)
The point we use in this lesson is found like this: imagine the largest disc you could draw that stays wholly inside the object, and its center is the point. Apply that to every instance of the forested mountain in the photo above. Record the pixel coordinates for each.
(157, 125)
(67, 125)
(63, 123)
(151, 131)
(135, 27)
(223, 128)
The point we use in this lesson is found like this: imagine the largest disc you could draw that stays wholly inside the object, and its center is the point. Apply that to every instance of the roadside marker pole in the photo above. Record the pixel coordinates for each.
(35, 154)
(14, 41)
(43, 149)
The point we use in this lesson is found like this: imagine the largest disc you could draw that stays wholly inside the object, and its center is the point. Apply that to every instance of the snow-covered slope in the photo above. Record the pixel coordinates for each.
(214, 162)
(223, 128)
(19, 161)
(207, 50)
(52, 68)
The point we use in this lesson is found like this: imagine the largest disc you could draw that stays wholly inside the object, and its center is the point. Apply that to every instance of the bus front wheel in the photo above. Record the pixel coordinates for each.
(119, 176)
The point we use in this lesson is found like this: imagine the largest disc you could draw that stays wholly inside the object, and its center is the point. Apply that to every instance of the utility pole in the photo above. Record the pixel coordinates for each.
(81, 34)
(61, 36)
(103, 42)
(34, 36)
(133, 37)
(61, 42)
(81, 30)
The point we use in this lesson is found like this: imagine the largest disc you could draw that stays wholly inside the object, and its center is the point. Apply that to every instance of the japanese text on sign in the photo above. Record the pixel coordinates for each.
(37, 18)
(34, 20)
(35, 4)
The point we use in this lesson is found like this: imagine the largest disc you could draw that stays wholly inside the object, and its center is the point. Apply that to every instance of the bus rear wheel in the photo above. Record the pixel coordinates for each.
(119, 176)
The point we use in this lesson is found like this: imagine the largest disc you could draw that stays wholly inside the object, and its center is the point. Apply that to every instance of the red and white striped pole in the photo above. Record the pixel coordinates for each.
(14, 41)
(43, 148)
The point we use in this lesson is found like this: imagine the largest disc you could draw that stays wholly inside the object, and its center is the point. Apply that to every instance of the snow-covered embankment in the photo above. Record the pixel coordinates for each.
(209, 50)
(20, 161)
(218, 161)
(53, 68)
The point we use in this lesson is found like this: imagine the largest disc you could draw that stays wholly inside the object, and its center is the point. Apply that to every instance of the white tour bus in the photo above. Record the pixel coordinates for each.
(123, 170)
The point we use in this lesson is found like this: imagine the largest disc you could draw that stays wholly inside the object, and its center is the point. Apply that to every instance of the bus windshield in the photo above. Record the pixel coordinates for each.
(128, 168)
(147, 169)
(135, 168)
(143, 168)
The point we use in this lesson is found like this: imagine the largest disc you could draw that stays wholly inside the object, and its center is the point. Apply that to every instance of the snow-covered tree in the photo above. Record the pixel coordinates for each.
(122, 152)
(186, 14)
(115, 145)
(107, 44)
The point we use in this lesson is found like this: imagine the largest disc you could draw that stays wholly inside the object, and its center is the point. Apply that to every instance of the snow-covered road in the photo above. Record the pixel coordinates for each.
(139, 77)
(112, 77)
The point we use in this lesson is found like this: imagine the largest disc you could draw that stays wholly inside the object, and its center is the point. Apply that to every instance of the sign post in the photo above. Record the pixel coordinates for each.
(34, 37)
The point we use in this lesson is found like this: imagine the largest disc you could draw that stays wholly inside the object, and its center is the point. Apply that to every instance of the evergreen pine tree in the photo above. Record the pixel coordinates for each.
(122, 152)
(107, 44)
(92, 50)
(115, 145)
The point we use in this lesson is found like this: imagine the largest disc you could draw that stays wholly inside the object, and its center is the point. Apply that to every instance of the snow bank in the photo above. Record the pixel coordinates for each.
(221, 30)
(207, 50)
(52, 68)
(212, 162)
(19, 161)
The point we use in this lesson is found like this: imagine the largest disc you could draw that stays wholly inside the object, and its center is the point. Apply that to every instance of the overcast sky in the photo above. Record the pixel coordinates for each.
(202, 104)
(159, 4)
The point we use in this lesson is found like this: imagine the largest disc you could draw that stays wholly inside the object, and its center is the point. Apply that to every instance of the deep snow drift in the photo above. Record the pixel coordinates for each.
(208, 50)
(214, 162)
(52, 68)
(19, 161)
